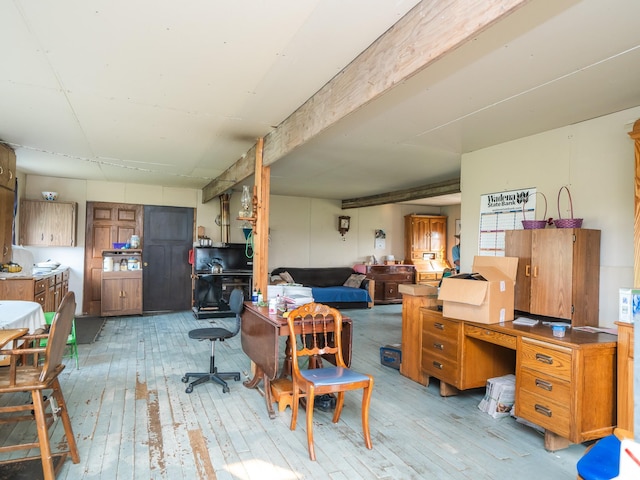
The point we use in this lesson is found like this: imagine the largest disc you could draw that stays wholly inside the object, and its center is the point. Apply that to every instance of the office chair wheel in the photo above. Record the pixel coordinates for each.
(225, 390)
(189, 389)
(185, 379)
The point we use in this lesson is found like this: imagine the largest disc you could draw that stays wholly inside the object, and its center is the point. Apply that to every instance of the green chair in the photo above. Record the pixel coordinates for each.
(72, 343)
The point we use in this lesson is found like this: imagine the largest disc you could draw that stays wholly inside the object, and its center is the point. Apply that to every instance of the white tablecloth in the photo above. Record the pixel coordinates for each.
(20, 314)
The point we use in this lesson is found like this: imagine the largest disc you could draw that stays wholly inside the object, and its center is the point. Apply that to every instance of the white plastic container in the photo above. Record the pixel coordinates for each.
(107, 264)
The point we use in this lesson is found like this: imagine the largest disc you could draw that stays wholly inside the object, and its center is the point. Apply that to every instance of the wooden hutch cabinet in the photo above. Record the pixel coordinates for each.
(7, 192)
(48, 224)
(425, 238)
(121, 288)
(558, 273)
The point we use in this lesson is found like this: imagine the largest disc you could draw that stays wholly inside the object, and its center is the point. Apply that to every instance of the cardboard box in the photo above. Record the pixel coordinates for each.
(391, 356)
(487, 299)
(499, 397)
(629, 305)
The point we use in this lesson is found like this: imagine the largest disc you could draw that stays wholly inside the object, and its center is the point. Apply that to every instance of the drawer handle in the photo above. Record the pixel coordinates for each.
(543, 410)
(439, 326)
(438, 346)
(544, 358)
(438, 365)
(527, 271)
(544, 385)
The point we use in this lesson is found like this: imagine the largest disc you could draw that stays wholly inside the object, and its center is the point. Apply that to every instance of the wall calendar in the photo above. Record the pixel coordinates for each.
(500, 212)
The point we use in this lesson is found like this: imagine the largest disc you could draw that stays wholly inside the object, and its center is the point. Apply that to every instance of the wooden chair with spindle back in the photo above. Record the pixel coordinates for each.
(315, 330)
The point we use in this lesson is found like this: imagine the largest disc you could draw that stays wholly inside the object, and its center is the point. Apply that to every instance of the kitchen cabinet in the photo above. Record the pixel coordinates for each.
(48, 224)
(558, 273)
(47, 290)
(7, 192)
(425, 238)
(121, 285)
(387, 279)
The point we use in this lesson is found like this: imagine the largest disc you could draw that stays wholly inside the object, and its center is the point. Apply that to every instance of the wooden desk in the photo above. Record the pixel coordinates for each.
(566, 385)
(260, 336)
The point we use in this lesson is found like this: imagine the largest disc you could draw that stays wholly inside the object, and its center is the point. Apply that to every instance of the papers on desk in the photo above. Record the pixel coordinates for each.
(528, 322)
(610, 331)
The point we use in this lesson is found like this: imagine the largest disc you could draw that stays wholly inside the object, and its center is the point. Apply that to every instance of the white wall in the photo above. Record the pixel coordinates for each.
(596, 159)
(304, 232)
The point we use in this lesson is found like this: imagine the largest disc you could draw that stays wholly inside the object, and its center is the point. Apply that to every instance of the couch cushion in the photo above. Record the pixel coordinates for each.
(340, 295)
(317, 277)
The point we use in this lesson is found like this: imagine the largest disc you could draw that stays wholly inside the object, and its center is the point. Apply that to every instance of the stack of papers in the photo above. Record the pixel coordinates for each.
(297, 300)
(525, 321)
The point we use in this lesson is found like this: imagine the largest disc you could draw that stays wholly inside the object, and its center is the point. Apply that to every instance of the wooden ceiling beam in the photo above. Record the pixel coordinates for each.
(429, 31)
(425, 191)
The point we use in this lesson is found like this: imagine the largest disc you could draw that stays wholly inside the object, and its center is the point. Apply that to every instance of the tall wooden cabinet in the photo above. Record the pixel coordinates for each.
(121, 286)
(558, 272)
(7, 189)
(425, 238)
(48, 224)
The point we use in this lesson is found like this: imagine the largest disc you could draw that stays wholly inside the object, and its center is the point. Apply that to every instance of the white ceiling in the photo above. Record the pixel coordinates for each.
(173, 93)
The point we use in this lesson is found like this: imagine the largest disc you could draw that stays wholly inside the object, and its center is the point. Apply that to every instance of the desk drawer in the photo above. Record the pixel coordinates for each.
(440, 367)
(544, 412)
(440, 345)
(490, 336)
(440, 328)
(550, 388)
(546, 358)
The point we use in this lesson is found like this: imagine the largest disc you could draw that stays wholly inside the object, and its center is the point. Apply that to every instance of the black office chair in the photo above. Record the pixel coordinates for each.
(214, 334)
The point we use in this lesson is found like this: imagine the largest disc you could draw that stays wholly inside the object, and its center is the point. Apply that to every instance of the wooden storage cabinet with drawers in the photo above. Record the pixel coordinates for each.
(387, 278)
(47, 291)
(567, 389)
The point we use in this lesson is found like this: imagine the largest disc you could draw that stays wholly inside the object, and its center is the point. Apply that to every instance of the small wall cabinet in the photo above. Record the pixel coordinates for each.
(7, 189)
(558, 272)
(48, 224)
(121, 286)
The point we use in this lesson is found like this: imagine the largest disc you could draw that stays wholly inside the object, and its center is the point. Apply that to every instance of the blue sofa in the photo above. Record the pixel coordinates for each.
(327, 286)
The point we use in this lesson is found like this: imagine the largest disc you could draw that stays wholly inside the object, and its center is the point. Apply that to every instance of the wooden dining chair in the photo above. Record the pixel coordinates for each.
(35, 377)
(315, 330)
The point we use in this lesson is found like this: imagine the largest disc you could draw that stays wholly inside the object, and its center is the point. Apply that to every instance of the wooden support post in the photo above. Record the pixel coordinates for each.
(261, 226)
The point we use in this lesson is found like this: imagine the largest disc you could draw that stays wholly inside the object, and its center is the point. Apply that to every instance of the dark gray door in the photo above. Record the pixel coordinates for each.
(168, 237)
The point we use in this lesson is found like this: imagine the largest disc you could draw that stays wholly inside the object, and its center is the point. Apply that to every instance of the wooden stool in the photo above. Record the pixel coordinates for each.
(282, 391)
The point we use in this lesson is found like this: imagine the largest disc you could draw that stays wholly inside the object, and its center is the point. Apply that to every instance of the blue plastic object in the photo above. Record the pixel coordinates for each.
(602, 460)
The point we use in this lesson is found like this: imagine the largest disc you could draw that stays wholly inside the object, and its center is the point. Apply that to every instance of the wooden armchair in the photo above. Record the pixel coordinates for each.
(316, 330)
(35, 377)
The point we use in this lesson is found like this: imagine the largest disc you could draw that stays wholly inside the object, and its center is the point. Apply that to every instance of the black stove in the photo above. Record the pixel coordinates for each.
(211, 291)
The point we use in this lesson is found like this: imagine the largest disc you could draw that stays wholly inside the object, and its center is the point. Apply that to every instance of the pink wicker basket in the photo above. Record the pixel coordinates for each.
(535, 224)
(567, 222)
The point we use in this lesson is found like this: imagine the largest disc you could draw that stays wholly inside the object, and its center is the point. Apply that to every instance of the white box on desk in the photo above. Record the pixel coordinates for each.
(629, 305)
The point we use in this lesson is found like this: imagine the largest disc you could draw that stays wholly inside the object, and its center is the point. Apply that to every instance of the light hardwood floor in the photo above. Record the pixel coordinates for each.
(133, 420)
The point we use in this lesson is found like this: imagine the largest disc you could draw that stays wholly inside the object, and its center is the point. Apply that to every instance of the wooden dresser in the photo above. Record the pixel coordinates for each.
(565, 385)
(387, 279)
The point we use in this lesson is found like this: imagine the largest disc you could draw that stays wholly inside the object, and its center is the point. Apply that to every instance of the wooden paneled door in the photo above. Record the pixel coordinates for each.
(107, 223)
